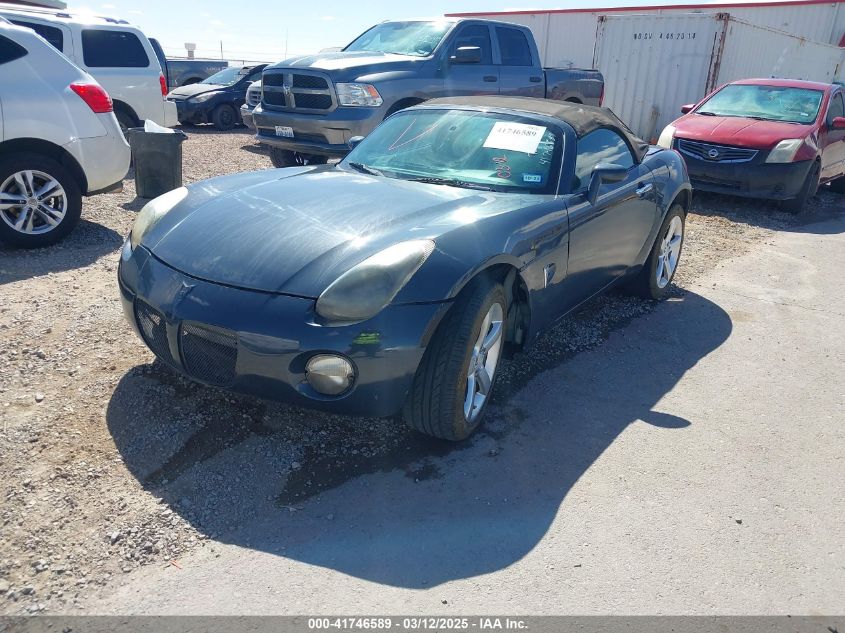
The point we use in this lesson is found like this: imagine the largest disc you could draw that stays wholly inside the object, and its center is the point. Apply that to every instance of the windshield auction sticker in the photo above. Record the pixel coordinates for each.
(518, 137)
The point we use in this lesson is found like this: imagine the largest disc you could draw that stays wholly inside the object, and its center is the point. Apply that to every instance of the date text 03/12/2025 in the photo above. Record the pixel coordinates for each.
(417, 623)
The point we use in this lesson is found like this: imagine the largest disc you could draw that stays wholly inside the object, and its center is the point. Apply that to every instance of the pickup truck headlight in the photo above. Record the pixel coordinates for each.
(785, 151)
(358, 95)
(365, 289)
(666, 137)
(205, 96)
(154, 211)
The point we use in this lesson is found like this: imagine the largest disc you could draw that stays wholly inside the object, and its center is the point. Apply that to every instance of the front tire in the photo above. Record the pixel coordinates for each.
(655, 277)
(224, 117)
(40, 202)
(454, 382)
(285, 158)
(808, 190)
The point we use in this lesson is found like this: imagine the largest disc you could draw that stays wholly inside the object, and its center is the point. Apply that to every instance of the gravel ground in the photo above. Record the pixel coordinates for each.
(109, 461)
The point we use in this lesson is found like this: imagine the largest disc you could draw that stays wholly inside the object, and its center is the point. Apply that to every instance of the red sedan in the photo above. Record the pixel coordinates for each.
(764, 138)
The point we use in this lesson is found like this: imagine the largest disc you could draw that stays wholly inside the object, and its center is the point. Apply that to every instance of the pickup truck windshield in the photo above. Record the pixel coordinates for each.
(418, 39)
(226, 77)
(769, 103)
(463, 148)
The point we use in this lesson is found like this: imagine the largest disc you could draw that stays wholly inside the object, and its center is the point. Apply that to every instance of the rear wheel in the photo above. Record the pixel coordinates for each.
(808, 190)
(124, 120)
(454, 382)
(40, 202)
(652, 282)
(224, 117)
(286, 158)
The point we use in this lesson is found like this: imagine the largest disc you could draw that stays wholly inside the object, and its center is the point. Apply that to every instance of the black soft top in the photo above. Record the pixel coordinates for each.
(581, 118)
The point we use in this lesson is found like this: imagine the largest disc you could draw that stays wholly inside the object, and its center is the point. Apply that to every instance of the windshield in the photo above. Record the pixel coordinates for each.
(418, 39)
(226, 77)
(476, 150)
(770, 103)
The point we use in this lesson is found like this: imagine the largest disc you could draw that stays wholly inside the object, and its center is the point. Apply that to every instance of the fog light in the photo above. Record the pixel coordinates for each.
(328, 374)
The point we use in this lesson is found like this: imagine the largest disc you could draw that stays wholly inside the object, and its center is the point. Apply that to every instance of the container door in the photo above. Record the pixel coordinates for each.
(654, 64)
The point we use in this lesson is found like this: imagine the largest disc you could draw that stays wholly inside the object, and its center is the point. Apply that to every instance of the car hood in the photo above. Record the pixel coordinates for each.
(294, 231)
(345, 61)
(737, 131)
(192, 90)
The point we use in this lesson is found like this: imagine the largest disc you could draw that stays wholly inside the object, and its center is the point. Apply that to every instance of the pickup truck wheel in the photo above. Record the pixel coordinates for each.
(652, 282)
(454, 382)
(808, 190)
(40, 202)
(224, 117)
(286, 158)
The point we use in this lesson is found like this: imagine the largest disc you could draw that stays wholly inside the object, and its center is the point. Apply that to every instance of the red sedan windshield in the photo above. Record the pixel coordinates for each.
(767, 103)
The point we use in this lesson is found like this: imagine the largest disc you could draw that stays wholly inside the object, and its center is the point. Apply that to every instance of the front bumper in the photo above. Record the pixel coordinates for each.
(323, 134)
(190, 111)
(257, 343)
(752, 179)
(246, 117)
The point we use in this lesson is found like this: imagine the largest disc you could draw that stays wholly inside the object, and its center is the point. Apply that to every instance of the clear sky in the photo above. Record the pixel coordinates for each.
(263, 30)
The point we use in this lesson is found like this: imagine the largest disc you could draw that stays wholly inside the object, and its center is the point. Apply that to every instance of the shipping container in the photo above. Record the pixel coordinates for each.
(567, 37)
(654, 64)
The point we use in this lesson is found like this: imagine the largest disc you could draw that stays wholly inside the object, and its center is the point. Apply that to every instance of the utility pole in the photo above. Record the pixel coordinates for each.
(221, 49)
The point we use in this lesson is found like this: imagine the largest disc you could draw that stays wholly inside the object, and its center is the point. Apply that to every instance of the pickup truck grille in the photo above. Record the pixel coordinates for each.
(715, 153)
(253, 96)
(297, 90)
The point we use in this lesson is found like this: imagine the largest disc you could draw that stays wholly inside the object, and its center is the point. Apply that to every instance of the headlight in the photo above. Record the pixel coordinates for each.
(205, 96)
(364, 290)
(784, 152)
(358, 95)
(154, 211)
(666, 137)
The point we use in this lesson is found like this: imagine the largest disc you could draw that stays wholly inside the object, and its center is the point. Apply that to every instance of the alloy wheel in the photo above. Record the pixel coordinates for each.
(670, 251)
(483, 362)
(32, 202)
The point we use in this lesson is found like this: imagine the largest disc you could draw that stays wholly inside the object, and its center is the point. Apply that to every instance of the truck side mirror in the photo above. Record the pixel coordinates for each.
(466, 55)
(838, 123)
(353, 142)
(685, 109)
(604, 172)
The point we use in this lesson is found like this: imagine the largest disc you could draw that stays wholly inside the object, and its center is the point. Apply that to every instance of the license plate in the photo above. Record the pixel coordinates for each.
(282, 130)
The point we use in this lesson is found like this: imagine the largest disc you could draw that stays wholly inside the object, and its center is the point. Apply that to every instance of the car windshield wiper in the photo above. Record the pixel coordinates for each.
(365, 169)
(451, 182)
(707, 113)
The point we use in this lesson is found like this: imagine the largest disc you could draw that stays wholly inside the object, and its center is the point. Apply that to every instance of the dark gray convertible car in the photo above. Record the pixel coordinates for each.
(396, 280)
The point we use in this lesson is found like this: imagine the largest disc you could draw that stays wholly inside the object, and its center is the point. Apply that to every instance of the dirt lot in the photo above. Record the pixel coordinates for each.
(109, 461)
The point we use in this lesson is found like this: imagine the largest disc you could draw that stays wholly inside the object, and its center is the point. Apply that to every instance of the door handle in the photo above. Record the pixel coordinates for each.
(490, 78)
(644, 189)
(535, 79)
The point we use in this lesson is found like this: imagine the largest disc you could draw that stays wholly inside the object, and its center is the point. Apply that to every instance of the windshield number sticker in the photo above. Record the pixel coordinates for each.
(532, 178)
(503, 170)
(518, 137)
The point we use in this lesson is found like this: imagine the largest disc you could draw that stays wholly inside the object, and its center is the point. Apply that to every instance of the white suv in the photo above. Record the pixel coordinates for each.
(117, 55)
(59, 139)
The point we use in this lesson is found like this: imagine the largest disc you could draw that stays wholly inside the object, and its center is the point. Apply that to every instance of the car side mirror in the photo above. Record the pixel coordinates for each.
(353, 142)
(685, 109)
(838, 123)
(602, 173)
(466, 55)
